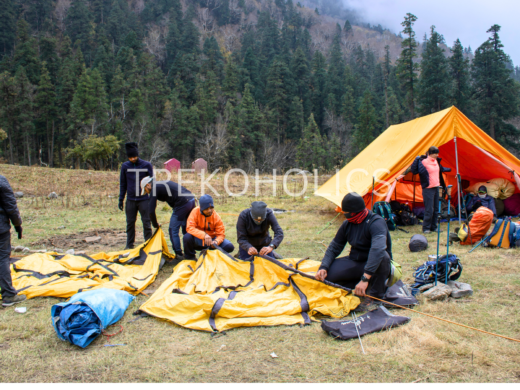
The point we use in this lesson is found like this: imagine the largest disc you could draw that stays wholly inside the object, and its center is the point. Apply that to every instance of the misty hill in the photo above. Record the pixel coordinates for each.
(242, 83)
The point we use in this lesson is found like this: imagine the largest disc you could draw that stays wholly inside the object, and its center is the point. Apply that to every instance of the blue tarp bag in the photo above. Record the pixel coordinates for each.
(85, 315)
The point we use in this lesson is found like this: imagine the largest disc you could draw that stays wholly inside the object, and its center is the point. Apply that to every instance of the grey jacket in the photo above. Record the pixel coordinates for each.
(8, 208)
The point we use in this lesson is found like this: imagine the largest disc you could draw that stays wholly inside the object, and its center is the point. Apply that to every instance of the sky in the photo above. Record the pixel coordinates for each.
(467, 20)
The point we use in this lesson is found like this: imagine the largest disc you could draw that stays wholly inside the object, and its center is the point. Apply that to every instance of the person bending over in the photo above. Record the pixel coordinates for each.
(253, 231)
(205, 229)
(367, 267)
(179, 199)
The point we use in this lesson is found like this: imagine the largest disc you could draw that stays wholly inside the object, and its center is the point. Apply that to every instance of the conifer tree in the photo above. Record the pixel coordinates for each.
(7, 27)
(311, 151)
(367, 123)
(406, 66)
(459, 71)
(45, 101)
(434, 85)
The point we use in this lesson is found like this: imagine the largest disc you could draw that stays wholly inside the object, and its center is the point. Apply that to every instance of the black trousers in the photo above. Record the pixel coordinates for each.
(347, 273)
(131, 209)
(431, 208)
(6, 283)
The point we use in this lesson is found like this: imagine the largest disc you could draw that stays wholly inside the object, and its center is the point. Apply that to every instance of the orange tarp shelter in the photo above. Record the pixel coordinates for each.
(464, 148)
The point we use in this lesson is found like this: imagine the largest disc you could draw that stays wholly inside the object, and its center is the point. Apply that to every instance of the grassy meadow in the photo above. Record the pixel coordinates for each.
(424, 350)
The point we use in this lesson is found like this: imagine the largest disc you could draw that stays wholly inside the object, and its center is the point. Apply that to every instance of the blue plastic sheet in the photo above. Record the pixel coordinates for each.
(84, 316)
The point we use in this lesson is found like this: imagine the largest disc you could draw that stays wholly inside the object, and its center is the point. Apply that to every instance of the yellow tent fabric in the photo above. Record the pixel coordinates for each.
(219, 292)
(52, 275)
(395, 149)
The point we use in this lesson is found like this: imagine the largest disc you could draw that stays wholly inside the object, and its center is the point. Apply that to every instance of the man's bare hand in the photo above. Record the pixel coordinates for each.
(361, 289)
(252, 251)
(214, 244)
(266, 250)
(321, 275)
(207, 240)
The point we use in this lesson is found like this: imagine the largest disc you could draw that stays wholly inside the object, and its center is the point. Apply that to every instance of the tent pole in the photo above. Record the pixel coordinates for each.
(458, 176)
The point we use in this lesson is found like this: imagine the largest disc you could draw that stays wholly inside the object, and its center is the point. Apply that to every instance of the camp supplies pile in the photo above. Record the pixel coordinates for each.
(53, 275)
(477, 227)
(403, 215)
(442, 291)
(219, 292)
(373, 321)
(384, 210)
(399, 294)
(418, 243)
(425, 274)
(505, 234)
(84, 316)
(498, 188)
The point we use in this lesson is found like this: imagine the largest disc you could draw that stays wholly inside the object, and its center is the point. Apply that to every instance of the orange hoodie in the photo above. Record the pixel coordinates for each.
(198, 225)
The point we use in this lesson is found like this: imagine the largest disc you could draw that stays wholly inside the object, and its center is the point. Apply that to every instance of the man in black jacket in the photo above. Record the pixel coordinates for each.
(132, 172)
(8, 214)
(368, 264)
(179, 199)
(253, 231)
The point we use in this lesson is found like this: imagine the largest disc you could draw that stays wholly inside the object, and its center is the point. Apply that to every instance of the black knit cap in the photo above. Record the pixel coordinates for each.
(352, 203)
(132, 150)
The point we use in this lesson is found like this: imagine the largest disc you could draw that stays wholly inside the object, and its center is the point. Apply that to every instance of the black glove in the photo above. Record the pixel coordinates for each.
(19, 230)
(121, 205)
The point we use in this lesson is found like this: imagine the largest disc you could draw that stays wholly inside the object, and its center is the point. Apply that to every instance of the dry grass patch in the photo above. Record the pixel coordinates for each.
(424, 350)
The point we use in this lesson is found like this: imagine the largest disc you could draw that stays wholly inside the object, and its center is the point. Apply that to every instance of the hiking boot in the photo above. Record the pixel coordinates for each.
(179, 257)
(10, 301)
(426, 232)
(368, 304)
(129, 247)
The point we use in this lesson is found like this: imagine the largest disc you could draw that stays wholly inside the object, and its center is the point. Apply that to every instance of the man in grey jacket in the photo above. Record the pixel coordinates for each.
(8, 214)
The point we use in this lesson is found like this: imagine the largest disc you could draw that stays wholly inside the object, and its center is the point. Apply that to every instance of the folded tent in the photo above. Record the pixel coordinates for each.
(463, 147)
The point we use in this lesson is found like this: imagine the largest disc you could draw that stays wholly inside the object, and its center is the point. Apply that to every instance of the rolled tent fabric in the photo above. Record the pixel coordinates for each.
(492, 189)
(505, 187)
(85, 315)
(512, 205)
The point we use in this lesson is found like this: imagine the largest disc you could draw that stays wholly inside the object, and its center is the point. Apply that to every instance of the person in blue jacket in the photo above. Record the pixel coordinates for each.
(132, 172)
(9, 214)
(483, 199)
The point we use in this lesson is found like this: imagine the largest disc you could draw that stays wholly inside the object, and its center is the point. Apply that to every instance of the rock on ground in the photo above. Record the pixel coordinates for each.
(18, 194)
(53, 195)
(460, 289)
(438, 293)
(91, 240)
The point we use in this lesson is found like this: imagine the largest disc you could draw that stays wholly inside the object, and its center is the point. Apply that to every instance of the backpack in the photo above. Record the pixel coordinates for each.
(425, 274)
(503, 235)
(444, 209)
(403, 214)
(383, 209)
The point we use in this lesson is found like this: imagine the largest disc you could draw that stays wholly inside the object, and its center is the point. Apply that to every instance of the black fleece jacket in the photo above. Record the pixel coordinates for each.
(8, 207)
(250, 234)
(369, 240)
(169, 192)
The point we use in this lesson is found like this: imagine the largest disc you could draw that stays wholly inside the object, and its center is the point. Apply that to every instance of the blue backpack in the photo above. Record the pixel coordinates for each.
(384, 210)
(425, 274)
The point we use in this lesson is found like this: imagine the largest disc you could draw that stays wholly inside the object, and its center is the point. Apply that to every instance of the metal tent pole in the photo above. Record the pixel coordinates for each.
(458, 176)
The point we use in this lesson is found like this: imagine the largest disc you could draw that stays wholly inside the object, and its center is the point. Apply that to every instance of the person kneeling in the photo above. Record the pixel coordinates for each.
(253, 231)
(367, 267)
(205, 229)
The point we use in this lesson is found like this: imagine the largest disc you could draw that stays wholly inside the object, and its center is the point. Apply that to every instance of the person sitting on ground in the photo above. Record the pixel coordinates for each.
(205, 229)
(181, 200)
(253, 231)
(367, 267)
(483, 199)
(9, 214)
(430, 173)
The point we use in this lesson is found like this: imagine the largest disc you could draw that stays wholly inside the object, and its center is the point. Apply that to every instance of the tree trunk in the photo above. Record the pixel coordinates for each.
(492, 128)
(9, 134)
(51, 155)
(28, 149)
(386, 101)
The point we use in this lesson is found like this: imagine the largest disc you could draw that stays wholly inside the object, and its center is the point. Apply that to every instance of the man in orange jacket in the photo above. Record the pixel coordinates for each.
(205, 229)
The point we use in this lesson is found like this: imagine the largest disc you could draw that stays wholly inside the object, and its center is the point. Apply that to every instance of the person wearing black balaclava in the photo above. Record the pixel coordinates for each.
(132, 172)
(253, 231)
(367, 267)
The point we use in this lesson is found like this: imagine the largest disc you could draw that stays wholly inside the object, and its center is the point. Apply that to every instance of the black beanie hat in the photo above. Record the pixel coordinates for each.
(132, 149)
(352, 203)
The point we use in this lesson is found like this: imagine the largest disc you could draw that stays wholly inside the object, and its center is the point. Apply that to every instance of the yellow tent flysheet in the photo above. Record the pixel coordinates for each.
(53, 275)
(219, 292)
